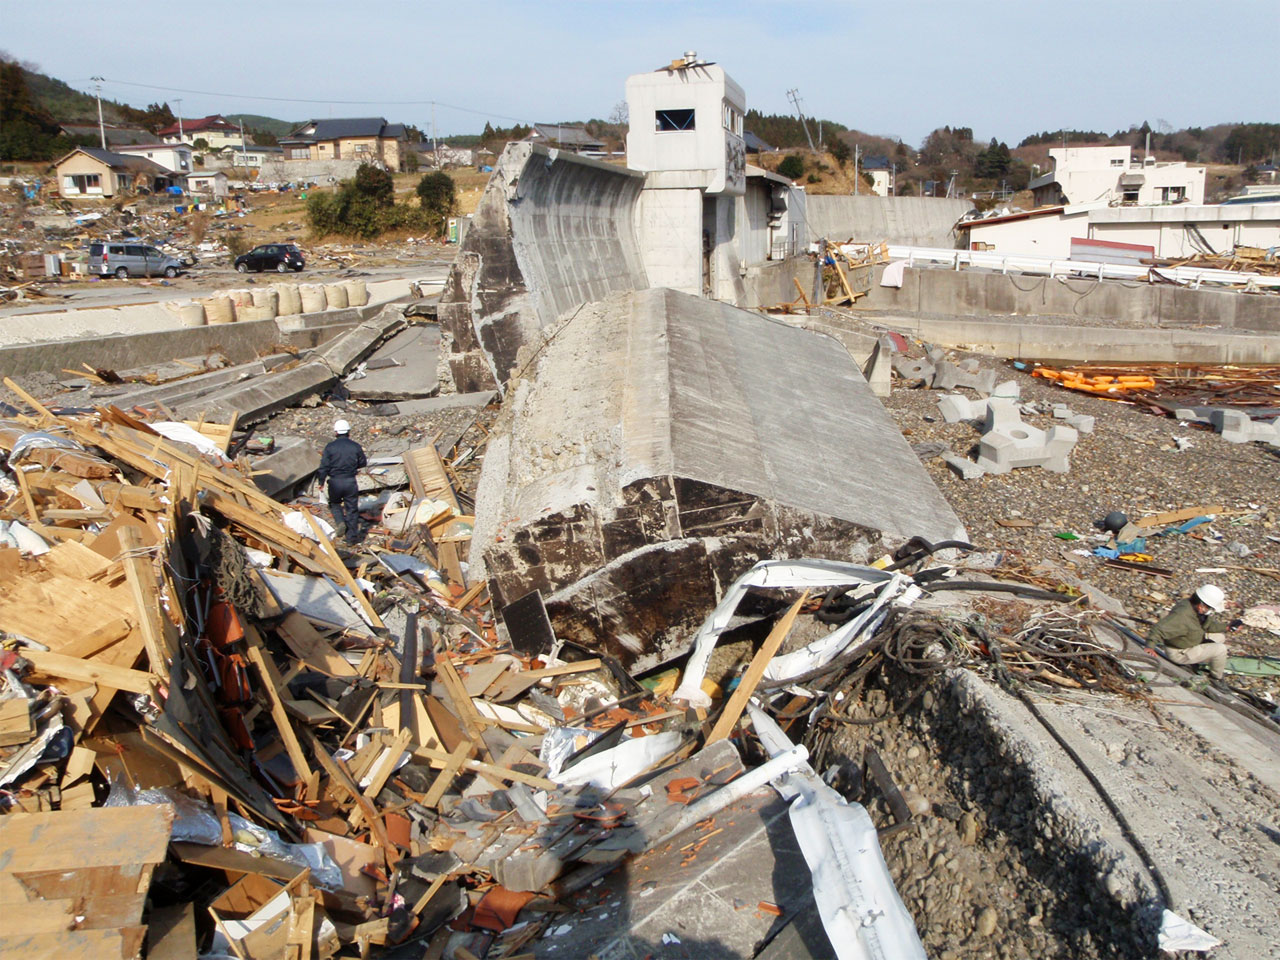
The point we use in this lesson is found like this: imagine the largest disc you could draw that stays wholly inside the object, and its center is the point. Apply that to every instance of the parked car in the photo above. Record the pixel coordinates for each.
(279, 257)
(131, 260)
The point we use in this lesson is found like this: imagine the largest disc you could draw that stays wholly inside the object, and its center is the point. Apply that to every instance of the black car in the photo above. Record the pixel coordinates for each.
(279, 257)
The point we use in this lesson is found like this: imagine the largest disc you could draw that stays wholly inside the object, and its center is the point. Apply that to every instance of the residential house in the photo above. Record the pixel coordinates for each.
(117, 136)
(565, 137)
(1172, 231)
(1111, 175)
(880, 170)
(368, 139)
(174, 157)
(216, 130)
(207, 183)
(91, 172)
(251, 156)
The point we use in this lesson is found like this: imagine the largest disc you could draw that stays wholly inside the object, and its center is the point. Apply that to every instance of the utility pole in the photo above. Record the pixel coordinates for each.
(893, 181)
(182, 137)
(794, 97)
(857, 153)
(102, 130)
(244, 160)
(434, 156)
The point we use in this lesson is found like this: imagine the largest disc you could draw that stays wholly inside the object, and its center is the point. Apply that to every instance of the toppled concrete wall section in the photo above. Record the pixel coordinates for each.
(661, 444)
(914, 221)
(553, 231)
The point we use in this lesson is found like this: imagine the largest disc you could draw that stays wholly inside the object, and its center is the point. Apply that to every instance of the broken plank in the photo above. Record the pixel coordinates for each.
(755, 670)
(343, 573)
(489, 769)
(271, 686)
(1177, 516)
(89, 671)
(142, 585)
(307, 644)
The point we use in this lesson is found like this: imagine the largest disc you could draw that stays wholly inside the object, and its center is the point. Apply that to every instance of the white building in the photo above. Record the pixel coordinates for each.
(174, 157)
(1170, 231)
(880, 170)
(686, 134)
(1111, 175)
(208, 183)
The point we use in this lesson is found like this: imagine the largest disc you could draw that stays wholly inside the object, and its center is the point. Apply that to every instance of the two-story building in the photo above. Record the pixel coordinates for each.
(174, 157)
(1111, 175)
(365, 139)
(879, 171)
(216, 130)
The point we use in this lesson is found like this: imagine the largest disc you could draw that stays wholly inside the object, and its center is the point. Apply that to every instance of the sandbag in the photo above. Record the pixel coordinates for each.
(335, 295)
(357, 293)
(288, 301)
(189, 313)
(311, 297)
(267, 300)
(218, 310)
(251, 313)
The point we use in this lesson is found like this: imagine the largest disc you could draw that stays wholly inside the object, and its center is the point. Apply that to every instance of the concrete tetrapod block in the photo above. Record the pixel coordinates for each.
(1004, 448)
(948, 376)
(1081, 422)
(911, 368)
(1236, 426)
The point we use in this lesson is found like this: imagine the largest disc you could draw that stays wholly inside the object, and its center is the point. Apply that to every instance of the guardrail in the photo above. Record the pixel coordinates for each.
(1194, 277)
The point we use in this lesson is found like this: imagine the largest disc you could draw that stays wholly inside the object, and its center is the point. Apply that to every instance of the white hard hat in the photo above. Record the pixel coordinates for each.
(1212, 597)
(341, 426)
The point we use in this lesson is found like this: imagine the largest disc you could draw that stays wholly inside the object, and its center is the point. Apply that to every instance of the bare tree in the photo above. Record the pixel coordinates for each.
(620, 115)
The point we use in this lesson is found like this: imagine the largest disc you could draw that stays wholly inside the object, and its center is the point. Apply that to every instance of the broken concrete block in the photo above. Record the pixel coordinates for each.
(1081, 422)
(877, 370)
(967, 469)
(1236, 426)
(1023, 445)
(948, 376)
(1010, 389)
(911, 368)
(293, 461)
(1001, 414)
(1061, 411)
(955, 407)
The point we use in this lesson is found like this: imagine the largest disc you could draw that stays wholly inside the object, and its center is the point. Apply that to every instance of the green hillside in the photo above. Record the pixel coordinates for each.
(253, 121)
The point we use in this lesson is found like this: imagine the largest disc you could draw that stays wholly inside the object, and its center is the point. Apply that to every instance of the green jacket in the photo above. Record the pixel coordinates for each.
(1181, 627)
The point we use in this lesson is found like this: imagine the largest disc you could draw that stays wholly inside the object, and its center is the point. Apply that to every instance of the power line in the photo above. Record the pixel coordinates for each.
(348, 103)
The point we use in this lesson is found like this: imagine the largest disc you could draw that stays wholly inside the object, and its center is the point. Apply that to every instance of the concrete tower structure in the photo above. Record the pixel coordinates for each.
(686, 135)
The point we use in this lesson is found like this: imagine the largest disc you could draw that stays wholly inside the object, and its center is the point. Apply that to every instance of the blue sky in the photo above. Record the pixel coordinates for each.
(891, 67)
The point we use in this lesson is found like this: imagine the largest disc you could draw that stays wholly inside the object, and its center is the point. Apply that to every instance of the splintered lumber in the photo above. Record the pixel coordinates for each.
(311, 648)
(142, 584)
(479, 766)
(271, 687)
(90, 671)
(84, 876)
(427, 476)
(755, 670)
(1177, 516)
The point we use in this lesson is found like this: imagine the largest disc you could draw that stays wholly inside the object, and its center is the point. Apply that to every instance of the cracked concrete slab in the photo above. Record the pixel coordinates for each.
(660, 444)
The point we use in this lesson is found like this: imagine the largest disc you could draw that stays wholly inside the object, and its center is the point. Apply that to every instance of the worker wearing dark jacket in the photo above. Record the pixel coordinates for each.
(341, 459)
(1191, 635)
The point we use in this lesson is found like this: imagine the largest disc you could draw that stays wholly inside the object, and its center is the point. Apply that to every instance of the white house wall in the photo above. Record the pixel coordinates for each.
(1045, 236)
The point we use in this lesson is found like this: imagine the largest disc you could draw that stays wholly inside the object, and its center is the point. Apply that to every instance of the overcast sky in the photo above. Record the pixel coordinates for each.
(1007, 68)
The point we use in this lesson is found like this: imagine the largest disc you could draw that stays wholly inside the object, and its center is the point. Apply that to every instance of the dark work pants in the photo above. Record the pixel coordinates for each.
(344, 498)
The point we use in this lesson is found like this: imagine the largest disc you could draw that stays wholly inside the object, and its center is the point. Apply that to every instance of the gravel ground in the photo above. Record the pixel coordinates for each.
(1130, 463)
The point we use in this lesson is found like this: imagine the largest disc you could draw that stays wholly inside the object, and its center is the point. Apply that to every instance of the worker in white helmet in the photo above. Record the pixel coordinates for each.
(1192, 634)
(341, 459)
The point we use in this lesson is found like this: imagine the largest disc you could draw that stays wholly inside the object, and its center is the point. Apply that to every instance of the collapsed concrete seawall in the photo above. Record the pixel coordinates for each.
(661, 444)
(553, 231)
(914, 221)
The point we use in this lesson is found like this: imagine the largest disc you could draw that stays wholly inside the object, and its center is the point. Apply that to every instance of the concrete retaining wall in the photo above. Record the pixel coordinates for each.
(942, 293)
(916, 221)
(552, 231)
(238, 342)
(769, 284)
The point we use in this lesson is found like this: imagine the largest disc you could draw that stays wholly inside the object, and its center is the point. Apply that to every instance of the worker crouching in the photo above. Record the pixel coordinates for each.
(1191, 634)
